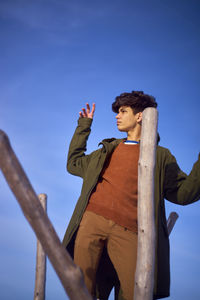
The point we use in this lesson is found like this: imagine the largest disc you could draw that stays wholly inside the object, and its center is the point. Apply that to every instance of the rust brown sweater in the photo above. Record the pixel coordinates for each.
(115, 196)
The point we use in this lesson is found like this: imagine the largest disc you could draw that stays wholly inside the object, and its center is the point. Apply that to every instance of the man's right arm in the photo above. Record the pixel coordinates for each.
(77, 161)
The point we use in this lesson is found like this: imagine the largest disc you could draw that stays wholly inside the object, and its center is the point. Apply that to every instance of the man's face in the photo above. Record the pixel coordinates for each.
(126, 119)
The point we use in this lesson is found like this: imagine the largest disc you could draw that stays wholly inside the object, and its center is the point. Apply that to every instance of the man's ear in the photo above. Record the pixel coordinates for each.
(139, 117)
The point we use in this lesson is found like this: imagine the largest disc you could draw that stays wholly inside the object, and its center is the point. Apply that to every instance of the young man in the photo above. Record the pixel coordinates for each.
(102, 234)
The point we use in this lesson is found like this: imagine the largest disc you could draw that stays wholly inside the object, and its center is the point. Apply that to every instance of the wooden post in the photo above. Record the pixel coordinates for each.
(70, 275)
(144, 277)
(40, 274)
(171, 221)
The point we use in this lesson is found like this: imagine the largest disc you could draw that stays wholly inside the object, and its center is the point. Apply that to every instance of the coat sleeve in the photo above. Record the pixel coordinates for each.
(180, 188)
(77, 161)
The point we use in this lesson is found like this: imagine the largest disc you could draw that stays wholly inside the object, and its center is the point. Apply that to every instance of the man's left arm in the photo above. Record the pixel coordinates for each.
(180, 188)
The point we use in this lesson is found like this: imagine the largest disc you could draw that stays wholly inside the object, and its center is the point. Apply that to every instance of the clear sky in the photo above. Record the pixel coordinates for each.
(55, 55)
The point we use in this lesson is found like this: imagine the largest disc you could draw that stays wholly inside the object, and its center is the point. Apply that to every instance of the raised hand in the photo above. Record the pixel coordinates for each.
(86, 113)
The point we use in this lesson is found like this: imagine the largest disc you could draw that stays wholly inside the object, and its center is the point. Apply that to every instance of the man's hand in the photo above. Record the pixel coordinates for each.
(86, 113)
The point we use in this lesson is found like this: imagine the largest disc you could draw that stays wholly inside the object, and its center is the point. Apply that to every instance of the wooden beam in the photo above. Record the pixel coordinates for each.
(144, 277)
(40, 272)
(171, 221)
(69, 274)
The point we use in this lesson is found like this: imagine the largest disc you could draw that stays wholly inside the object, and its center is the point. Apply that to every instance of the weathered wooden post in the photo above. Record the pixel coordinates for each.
(144, 277)
(40, 273)
(171, 221)
(68, 273)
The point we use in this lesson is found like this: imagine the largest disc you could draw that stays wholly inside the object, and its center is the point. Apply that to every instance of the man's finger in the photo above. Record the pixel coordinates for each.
(88, 108)
(84, 112)
(93, 108)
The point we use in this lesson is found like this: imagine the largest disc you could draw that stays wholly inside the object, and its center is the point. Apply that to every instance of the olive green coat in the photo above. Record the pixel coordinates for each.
(170, 183)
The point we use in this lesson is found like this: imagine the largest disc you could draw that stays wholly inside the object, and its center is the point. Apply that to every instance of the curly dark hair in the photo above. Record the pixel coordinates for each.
(137, 100)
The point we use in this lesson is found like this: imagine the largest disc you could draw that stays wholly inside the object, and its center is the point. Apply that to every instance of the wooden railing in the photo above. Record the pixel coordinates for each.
(68, 273)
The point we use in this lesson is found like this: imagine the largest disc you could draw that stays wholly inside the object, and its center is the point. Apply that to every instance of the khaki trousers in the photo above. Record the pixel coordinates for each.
(94, 233)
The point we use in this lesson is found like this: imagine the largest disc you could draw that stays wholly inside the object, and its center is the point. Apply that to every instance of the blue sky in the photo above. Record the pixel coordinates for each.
(55, 56)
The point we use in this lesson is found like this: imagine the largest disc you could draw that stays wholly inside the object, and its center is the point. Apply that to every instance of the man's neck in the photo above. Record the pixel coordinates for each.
(134, 135)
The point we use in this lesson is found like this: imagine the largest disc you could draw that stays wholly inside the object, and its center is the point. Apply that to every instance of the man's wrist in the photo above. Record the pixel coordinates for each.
(85, 121)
